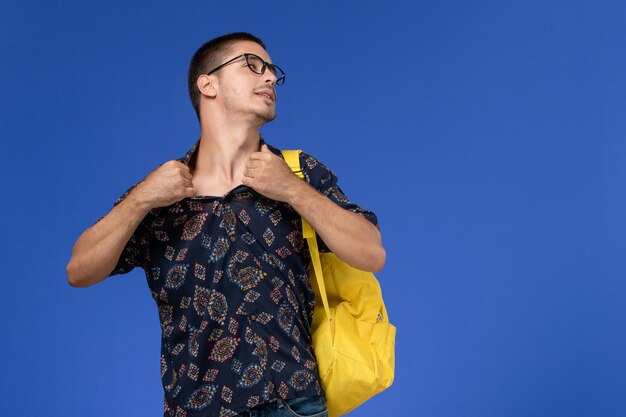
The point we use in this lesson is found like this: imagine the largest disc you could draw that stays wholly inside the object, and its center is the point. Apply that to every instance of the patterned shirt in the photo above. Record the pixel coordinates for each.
(229, 277)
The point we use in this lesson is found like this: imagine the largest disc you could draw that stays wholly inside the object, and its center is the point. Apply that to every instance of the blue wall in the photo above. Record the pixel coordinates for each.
(489, 137)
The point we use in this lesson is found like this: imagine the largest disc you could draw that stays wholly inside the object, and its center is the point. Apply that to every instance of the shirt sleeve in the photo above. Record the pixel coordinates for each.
(136, 252)
(325, 181)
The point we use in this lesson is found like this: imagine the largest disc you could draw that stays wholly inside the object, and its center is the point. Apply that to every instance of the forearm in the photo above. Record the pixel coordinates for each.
(351, 237)
(98, 248)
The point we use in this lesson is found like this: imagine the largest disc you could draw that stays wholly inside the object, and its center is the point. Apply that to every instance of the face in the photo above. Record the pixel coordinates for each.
(242, 92)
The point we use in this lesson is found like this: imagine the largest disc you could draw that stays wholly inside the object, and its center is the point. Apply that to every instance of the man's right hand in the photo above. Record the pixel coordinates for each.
(98, 248)
(166, 185)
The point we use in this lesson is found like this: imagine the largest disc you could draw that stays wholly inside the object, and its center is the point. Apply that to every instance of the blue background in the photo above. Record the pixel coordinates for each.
(488, 137)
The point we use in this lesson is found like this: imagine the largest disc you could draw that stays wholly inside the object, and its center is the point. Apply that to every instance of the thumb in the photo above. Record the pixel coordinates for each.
(264, 148)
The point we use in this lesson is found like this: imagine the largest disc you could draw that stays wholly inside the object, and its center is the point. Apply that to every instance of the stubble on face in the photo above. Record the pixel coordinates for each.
(240, 86)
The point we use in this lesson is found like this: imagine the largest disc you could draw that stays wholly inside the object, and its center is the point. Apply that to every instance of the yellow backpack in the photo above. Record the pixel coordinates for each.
(353, 339)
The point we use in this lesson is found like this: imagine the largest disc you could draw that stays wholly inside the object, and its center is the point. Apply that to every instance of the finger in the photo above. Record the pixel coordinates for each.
(265, 149)
(185, 171)
(188, 183)
(252, 163)
(260, 155)
(190, 191)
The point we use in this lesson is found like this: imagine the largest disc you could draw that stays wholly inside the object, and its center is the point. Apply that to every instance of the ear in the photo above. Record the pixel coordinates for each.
(207, 85)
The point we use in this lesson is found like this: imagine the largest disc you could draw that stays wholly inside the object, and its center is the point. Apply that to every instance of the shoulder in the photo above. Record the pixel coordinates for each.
(315, 172)
(310, 162)
(307, 161)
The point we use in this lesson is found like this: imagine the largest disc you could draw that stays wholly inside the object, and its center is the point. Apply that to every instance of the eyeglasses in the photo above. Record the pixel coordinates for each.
(258, 66)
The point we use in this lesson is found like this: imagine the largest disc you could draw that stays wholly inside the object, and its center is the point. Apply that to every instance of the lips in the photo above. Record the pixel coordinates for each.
(266, 93)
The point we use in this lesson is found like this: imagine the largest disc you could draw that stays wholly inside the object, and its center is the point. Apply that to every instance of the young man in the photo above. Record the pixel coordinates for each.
(218, 234)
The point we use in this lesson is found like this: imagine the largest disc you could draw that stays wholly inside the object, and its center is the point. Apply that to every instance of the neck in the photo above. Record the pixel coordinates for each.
(225, 148)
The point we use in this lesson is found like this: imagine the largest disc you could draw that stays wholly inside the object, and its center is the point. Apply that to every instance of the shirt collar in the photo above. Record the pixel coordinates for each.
(191, 152)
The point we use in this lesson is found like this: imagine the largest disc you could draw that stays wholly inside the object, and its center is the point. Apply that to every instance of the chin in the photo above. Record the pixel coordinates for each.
(268, 116)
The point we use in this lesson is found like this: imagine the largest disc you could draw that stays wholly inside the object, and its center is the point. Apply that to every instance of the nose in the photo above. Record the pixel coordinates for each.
(270, 77)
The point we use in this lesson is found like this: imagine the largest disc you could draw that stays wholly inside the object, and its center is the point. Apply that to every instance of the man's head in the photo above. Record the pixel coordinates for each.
(228, 67)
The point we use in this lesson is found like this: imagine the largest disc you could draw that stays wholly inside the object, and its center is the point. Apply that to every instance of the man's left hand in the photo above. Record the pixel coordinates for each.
(270, 176)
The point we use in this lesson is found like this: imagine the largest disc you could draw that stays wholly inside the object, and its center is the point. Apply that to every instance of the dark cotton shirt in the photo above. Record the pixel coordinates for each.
(229, 277)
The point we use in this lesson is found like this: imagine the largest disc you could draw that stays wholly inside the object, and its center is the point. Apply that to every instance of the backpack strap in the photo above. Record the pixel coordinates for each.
(292, 158)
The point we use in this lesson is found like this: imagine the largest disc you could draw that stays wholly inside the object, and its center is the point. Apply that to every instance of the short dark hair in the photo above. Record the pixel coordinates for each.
(209, 56)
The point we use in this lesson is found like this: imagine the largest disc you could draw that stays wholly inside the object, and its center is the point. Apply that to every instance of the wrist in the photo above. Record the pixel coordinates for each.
(137, 200)
(300, 193)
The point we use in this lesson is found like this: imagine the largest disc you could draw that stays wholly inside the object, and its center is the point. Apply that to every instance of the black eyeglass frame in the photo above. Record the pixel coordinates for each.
(266, 65)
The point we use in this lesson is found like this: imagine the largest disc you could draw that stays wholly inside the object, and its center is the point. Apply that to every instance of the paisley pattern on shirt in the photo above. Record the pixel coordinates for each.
(229, 277)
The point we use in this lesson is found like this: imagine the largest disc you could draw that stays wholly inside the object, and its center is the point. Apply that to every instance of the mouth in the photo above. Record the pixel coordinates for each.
(266, 94)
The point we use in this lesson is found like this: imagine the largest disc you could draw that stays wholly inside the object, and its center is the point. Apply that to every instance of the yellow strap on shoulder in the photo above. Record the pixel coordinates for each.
(292, 158)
